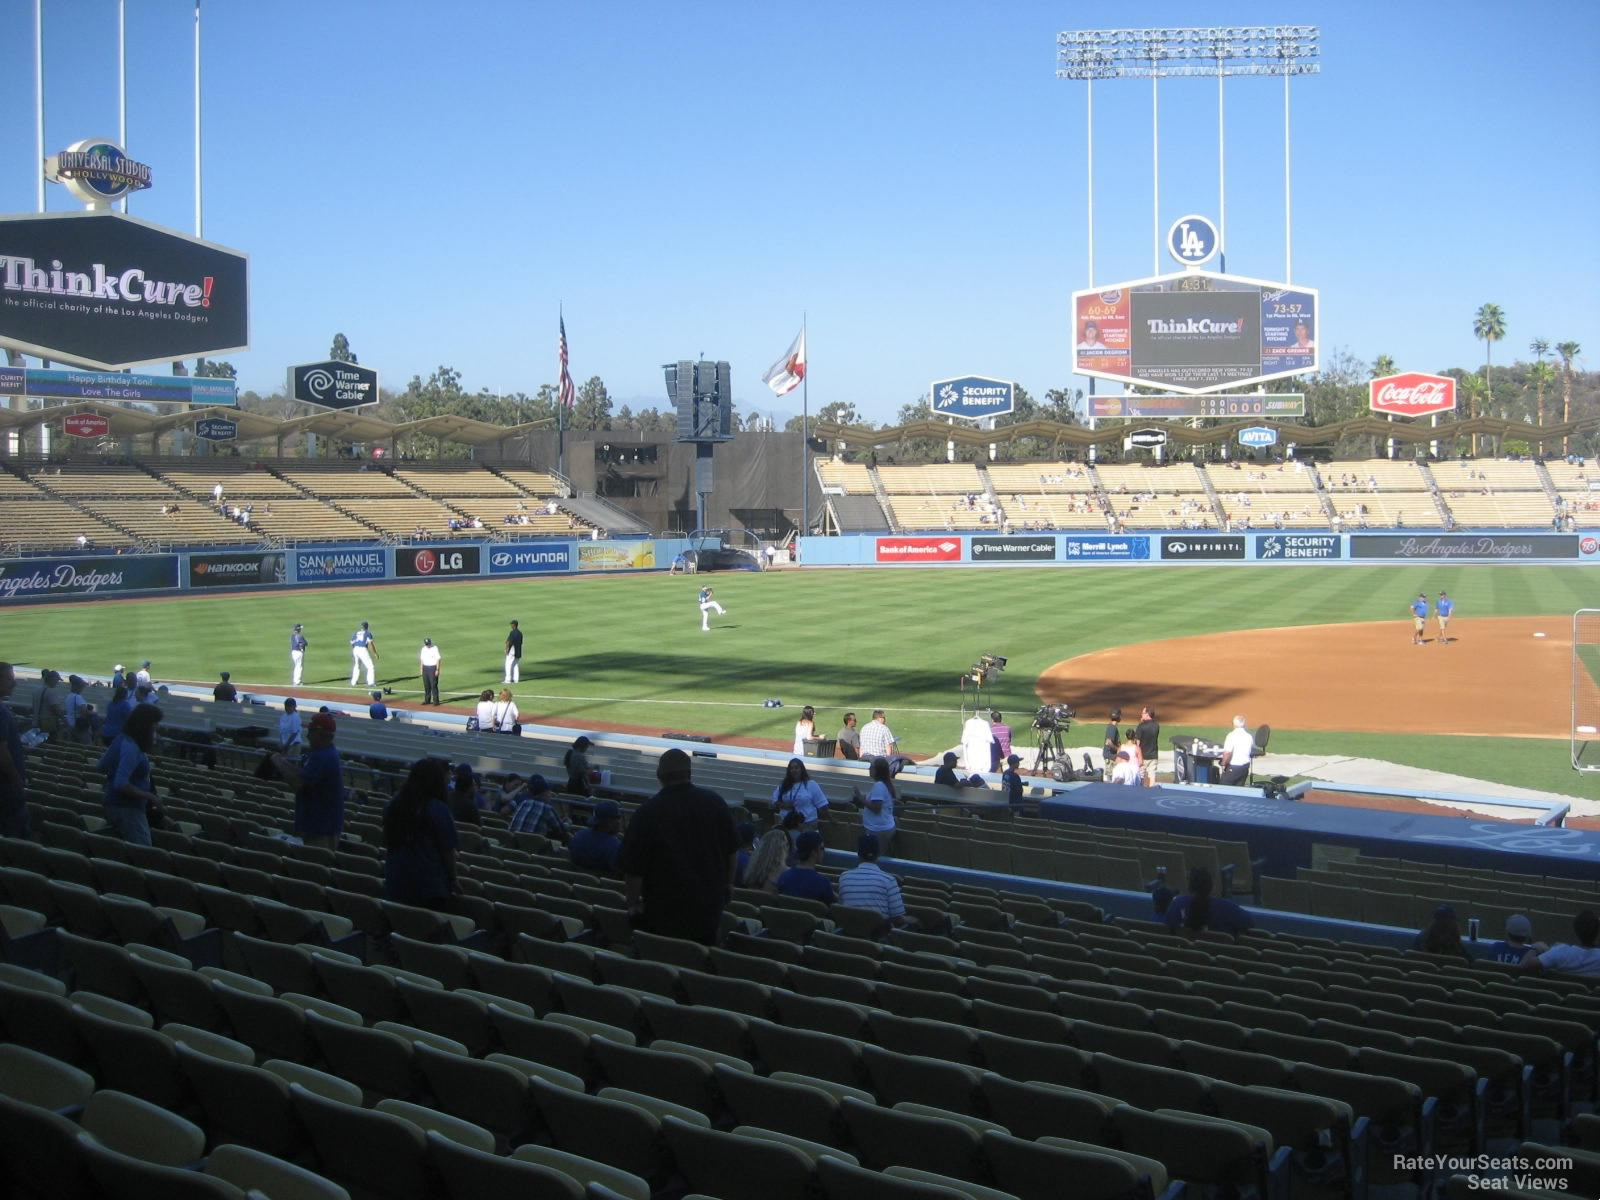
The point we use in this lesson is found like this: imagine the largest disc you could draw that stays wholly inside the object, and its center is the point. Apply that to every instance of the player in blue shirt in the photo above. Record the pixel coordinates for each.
(1419, 615)
(297, 655)
(1442, 610)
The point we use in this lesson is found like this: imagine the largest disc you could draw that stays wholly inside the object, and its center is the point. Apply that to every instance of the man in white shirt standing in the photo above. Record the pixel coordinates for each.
(141, 677)
(1238, 748)
(877, 739)
(429, 658)
(289, 728)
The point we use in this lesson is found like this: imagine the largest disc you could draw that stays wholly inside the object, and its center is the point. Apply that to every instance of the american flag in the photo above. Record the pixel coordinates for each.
(569, 394)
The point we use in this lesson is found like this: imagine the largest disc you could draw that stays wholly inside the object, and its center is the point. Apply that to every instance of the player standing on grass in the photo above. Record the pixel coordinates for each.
(1443, 609)
(707, 606)
(1419, 618)
(513, 655)
(297, 655)
(363, 649)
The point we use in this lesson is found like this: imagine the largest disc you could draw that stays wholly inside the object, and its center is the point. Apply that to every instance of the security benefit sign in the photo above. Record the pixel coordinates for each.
(109, 291)
(1279, 547)
(1038, 548)
(972, 397)
(334, 384)
(436, 562)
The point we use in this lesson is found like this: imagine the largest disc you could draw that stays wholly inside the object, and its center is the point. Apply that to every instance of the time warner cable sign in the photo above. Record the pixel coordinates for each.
(108, 291)
(972, 397)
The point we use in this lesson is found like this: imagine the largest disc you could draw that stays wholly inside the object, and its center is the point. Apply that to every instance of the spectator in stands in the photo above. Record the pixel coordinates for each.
(595, 847)
(485, 710)
(506, 717)
(1517, 942)
(116, 713)
(318, 782)
(801, 794)
(849, 738)
(1011, 781)
(803, 879)
(289, 727)
(868, 886)
(378, 710)
(420, 839)
(947, 775)
(1442, 935)
(82, 723)
(1200, 910)
(225, 692)
(1123, 771)
(1575, 958)
(878, 808)
(768, 862)
(679, 856)
(142, 677)
(50, 706)
(535, 810)
(745, 833)
(13, 763)
(804, 729)
(118, 679)
(466, 798)
(576, 760)
(877, 739)
(130, 793)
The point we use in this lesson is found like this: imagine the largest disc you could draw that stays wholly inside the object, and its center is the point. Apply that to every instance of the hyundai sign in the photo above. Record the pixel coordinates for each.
(108, 291)
(972, 397)
(1257, 436)
(532, 559)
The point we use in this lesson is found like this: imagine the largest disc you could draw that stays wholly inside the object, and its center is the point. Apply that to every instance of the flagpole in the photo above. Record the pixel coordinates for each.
(561, 409)
(805, 435)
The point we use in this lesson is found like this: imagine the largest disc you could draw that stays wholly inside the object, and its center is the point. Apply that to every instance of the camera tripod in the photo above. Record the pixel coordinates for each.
(1050, 749)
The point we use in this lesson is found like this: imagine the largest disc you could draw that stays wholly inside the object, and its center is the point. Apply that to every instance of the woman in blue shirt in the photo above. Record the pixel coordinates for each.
(129, 790)
(420, 835)
(879, 804)
(116, 713)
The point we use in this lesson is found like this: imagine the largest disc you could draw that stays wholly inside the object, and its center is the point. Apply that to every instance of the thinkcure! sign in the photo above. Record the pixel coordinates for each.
(1412, 394)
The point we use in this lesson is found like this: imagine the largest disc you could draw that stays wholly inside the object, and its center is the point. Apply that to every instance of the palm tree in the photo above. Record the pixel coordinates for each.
(1568, 351)
(1471, 389)
(1383, 365)
(1541, 375)
(1489, 325)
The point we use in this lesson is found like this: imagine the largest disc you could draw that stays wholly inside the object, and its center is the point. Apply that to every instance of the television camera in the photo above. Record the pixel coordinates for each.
(1049, 723)
(1054, 717)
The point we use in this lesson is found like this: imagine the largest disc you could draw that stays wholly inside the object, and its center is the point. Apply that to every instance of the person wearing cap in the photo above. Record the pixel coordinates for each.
(946, 775)
(225, 692)
(513, 655)
(1581, 957)
(1443, 935)
(318, 782)
(868, 886)
(83, 723)
(679, 856)
(364, 652)
(377, 710)
(1442, 609)
(430, 657)
(116, 714)
(535, 811)
(595, 847)
(1124, 771)
(803, 879)
(297, 655)
(289, 735)
(118, 679)
(141, 677)
(1011, 781)
(1518, 941)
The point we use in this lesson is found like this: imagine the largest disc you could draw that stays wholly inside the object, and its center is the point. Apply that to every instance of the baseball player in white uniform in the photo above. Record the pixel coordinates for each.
(363, 648)
(708, 606)
(297, 655)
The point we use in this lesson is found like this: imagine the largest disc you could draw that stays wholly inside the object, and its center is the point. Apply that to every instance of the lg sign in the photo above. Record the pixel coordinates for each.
(433, 562)
(1412, 394)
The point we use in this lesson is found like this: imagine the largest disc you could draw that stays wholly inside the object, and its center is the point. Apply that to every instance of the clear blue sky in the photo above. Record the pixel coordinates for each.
(434, 180)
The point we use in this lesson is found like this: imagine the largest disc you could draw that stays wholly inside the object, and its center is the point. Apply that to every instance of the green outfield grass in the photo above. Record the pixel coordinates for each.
(629, 648)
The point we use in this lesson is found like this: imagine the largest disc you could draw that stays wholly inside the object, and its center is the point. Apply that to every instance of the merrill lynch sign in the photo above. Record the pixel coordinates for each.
(1437, 547)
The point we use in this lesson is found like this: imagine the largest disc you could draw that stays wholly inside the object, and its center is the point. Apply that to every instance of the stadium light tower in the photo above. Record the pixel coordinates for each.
(1157, 54)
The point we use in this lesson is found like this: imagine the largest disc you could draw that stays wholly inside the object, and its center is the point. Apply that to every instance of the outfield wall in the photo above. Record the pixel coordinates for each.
(90, 576)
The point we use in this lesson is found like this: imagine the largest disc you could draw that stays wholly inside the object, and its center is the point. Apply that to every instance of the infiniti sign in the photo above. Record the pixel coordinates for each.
(1203, 546)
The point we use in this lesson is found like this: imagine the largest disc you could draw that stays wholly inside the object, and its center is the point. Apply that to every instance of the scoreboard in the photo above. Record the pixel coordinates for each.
(1274, 405)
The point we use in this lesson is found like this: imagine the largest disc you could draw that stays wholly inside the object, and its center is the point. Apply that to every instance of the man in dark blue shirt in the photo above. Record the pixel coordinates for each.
(803, 879)
(13, 767)
(318, 782)
(378, 710)
(595, 848)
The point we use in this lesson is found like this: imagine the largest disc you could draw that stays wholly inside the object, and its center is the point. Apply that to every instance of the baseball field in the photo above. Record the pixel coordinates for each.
(1323, 654)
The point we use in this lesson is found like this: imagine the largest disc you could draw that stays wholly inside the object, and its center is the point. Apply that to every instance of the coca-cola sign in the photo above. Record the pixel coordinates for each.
(1412, 394)
(87, 425)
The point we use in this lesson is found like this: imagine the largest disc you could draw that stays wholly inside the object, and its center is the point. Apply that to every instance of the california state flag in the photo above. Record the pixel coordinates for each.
(785, 374)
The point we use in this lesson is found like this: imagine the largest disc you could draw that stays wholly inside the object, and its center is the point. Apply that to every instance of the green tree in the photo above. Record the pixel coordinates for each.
(1062, 404)
(341, 351)
(838, 412)
(652, 421)
(593, 407)
(207, 368)
(439, 395)
(1541, 375)
(1489, 326)
(1568, 351)
(1383, 365)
